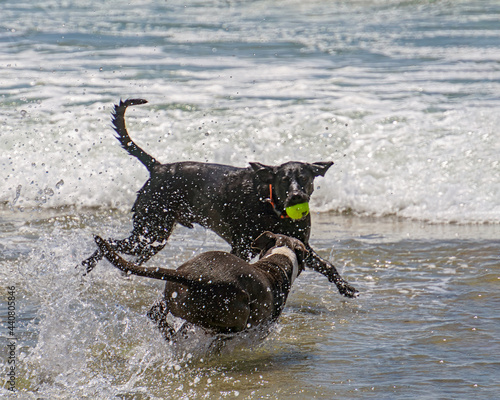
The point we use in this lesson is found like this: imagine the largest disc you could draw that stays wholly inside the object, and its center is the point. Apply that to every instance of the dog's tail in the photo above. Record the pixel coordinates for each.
(163, 274)
(118, 121)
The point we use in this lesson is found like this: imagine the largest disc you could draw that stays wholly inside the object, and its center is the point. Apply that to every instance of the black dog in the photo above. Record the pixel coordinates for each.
(236, 203)
(219, 291)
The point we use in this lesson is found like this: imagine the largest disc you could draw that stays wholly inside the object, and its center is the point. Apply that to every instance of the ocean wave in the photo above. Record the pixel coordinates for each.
(408, 113)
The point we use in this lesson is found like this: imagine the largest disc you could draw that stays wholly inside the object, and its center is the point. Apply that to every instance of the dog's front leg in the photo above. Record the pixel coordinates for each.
(326, 268)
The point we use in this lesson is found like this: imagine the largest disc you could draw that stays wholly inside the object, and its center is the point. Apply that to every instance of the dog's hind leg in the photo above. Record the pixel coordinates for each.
(145, 241)
(158, 314)
(151, 249)
(92, 261)
(133, 245)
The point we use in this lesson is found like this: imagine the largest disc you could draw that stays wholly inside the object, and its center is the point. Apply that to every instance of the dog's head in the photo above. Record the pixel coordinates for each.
(292, 183)
(268, 243)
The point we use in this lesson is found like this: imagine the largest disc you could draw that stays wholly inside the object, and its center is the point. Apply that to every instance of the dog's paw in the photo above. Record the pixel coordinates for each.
(347, 290)
(90, 263)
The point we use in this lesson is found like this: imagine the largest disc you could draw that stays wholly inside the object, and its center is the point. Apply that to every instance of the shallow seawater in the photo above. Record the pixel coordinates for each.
(425, 324)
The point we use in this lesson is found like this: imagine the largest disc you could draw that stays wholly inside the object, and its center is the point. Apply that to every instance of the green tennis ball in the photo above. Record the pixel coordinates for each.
(298, 211)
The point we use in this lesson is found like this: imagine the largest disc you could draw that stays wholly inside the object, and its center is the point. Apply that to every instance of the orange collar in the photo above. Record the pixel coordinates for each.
(271, 201)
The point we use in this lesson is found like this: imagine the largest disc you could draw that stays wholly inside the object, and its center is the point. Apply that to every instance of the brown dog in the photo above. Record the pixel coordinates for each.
(220, 292)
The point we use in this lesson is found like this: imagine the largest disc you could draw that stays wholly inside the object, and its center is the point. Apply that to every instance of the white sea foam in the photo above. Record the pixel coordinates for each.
(410, 122)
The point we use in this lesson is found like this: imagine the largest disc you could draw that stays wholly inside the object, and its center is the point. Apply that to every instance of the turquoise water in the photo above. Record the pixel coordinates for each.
(404, 97)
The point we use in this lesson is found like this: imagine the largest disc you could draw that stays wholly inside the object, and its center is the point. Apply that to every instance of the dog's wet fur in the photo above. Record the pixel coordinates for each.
(236, 203)
(219, 291)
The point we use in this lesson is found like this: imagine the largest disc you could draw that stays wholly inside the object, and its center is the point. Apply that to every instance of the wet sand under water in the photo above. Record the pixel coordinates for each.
(426, 323)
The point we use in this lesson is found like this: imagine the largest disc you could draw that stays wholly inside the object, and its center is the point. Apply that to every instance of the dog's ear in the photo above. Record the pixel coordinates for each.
(264, 242)
(265, 173)
(301, 251)
(320, 168)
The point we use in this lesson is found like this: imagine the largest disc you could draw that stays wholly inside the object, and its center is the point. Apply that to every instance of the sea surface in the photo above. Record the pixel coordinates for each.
(402, 95)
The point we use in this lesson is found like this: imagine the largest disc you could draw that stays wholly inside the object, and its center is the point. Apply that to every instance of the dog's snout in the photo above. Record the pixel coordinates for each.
(296, 197)
(295, 194)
